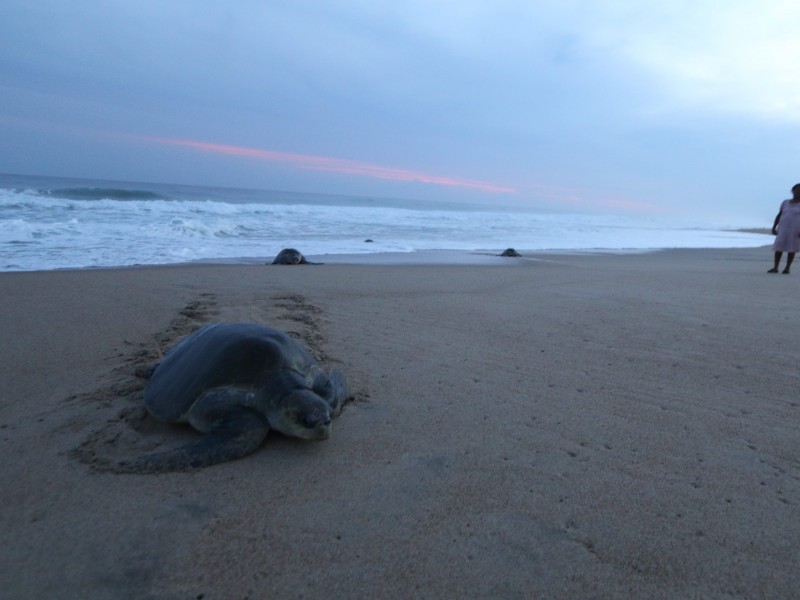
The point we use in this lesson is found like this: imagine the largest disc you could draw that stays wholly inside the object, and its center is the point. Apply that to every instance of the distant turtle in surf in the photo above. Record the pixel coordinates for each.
(510, 252)
(290, 256)
(234, 382)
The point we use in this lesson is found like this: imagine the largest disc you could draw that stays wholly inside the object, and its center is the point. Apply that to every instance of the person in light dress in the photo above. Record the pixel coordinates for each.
(787, 235)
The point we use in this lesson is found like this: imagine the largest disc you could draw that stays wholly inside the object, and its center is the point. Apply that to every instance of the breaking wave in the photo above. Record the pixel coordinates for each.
(93, 226)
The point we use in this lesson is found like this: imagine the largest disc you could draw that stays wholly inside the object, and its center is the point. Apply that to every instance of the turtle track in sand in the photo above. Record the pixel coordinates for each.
(115, 424)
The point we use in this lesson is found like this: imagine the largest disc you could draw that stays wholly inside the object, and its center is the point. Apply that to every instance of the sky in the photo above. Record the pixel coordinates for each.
(687, 108)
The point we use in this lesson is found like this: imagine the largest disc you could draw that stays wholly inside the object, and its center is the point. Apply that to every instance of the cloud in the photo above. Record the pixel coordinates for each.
(739, 57)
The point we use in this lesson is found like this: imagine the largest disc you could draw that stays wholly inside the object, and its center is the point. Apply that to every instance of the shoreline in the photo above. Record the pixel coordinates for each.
(414, 257)
(609, 425)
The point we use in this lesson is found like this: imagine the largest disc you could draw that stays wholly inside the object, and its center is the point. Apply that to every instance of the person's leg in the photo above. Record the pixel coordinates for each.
(789, 259)
(777, 261)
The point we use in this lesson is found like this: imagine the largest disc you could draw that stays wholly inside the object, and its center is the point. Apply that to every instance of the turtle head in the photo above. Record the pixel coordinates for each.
(302, 414)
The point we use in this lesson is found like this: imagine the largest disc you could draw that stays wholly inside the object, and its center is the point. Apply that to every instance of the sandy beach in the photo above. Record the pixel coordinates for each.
(571, 426)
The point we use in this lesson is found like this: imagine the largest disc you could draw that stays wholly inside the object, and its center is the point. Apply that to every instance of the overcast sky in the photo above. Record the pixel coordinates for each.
(687, 107)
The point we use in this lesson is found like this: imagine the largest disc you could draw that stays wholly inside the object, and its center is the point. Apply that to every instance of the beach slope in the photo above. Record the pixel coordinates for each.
(572, 426)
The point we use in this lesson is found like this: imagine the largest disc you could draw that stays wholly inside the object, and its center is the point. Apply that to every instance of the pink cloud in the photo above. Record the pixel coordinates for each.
(560, 194)
(335, 165)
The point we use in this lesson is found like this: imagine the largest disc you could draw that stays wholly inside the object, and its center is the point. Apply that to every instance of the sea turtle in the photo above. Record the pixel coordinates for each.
(234, 382)
(290, 256)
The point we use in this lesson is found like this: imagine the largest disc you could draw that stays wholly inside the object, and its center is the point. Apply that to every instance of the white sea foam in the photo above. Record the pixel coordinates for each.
(92, 226)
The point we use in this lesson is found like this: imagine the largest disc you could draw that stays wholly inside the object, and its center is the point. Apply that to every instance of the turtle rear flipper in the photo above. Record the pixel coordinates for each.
(237, 434)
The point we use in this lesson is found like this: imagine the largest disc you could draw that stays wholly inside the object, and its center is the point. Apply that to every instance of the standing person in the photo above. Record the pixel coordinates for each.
(788, 234)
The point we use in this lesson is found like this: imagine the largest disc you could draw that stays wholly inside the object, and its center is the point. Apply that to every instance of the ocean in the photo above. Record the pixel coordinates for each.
(57, 223)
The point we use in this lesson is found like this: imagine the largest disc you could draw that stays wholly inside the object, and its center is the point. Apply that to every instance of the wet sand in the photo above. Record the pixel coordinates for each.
(573, 426)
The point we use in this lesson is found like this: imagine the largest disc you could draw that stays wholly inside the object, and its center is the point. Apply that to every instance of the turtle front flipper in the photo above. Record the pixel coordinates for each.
(235, 434)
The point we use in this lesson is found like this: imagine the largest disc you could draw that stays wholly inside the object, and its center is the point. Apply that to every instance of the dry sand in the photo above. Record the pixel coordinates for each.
(579, 426)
